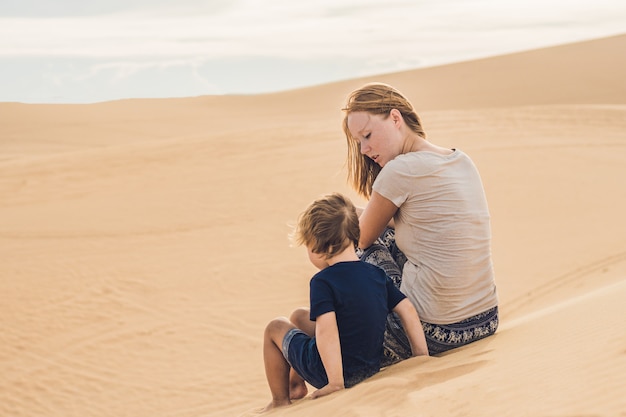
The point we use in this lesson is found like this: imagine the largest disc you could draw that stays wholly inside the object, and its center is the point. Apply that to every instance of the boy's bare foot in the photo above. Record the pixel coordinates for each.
(275, 404)
(297, 390)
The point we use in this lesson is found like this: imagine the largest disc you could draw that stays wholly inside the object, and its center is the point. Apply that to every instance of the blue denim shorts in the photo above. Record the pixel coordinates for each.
(300, 351)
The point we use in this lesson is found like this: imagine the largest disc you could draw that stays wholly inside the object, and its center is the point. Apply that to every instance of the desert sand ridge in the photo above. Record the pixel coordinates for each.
(143, 243)
(581, 73)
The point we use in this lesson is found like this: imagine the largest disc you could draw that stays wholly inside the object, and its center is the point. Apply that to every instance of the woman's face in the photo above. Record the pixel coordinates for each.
(379, 138)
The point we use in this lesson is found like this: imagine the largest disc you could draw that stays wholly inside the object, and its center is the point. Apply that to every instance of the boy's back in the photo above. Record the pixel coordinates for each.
(361, 295)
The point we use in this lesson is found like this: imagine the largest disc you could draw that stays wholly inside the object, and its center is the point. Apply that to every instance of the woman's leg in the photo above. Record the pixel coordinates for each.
(388, 239)
(443, 337)
(396, 345)
(439, 337)
(381, 253)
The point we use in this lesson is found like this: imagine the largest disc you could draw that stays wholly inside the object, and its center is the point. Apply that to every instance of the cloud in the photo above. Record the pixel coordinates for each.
(121, 71)
(131, 48)
(81, 8)
(282, 28)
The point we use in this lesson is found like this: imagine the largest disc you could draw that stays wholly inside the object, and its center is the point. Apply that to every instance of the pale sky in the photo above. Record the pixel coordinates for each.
(81, 51)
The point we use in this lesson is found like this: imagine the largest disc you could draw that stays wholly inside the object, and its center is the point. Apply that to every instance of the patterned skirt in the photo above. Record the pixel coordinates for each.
(440, 337)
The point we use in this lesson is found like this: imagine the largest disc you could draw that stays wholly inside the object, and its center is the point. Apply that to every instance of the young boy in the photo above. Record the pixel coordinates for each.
(341, 343)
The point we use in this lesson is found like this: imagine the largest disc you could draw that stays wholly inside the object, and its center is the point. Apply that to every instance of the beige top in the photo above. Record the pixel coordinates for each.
(443, 228)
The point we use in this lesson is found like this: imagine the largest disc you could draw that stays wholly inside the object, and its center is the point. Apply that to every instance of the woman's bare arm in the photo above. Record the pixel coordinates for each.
(377, 215)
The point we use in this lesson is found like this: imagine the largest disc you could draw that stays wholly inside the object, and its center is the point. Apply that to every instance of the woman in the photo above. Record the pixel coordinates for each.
(426, 222)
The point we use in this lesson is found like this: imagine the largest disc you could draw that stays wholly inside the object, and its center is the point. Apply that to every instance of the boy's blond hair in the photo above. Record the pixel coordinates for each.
(328, 226)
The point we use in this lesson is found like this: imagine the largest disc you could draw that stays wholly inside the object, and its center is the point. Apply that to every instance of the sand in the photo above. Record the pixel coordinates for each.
(143, 244)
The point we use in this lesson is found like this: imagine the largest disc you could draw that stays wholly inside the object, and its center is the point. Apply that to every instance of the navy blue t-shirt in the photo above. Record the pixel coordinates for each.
(361, 295)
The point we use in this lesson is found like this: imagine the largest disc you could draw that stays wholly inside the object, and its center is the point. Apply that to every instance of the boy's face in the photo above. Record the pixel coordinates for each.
(317, 260)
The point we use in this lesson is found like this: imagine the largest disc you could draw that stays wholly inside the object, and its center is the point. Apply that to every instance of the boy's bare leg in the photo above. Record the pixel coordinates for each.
(300, 318)
(297, 386)
(276, 367)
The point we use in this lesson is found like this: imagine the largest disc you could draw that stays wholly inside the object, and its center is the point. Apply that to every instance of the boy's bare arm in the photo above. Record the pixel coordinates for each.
(412, 326)
(327, 335)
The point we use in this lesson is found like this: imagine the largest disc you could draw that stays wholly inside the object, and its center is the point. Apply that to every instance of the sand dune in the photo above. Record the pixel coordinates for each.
(144, 246)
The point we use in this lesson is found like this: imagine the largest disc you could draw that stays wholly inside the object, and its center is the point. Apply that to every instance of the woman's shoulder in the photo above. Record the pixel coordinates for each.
(420, 162)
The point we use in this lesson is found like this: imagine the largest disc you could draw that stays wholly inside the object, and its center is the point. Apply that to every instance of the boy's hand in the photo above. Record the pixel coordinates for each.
(325, 390)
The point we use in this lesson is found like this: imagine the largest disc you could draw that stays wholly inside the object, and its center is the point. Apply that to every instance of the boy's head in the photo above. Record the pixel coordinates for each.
(328, 226)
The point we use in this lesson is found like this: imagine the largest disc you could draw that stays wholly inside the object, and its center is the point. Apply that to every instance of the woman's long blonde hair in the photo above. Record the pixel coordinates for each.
(376, 99)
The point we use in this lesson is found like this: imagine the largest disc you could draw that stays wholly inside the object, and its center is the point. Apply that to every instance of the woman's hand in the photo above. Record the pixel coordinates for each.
(325, 390)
